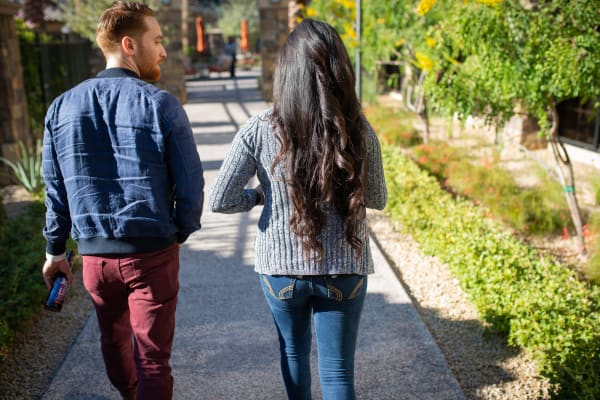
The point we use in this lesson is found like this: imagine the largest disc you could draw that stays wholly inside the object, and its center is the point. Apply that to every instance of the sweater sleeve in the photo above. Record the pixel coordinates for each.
(229, 194)
(376, 191)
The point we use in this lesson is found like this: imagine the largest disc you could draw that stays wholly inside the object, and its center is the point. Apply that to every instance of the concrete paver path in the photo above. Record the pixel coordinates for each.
(225, 341)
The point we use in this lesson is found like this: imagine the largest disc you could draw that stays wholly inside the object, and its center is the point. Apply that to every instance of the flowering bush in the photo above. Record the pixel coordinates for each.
(540, 305)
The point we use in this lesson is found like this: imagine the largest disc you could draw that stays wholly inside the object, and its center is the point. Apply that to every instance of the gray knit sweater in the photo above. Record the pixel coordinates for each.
(278, 252)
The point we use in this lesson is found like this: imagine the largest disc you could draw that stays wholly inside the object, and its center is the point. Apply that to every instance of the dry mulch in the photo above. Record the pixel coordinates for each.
(484, 365)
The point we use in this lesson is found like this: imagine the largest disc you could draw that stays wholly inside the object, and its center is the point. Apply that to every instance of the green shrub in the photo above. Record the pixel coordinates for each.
(32, 79)
(28, 170)
(592, 232)
(2, 211)
(393, 126)
(22, 287)
(596, 189)
(540, 305)
(439, 158)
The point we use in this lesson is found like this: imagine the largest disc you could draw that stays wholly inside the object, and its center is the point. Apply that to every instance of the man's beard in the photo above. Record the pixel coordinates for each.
(149, 69)
(150, 72)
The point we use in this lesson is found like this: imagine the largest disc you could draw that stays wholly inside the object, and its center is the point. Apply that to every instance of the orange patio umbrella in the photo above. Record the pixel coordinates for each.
(244, 43)
(200, 42)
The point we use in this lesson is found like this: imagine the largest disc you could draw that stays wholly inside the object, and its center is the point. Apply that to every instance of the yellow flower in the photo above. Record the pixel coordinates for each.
(492, 3)
(399, 42)
(352, 35)
(423, 61)
(350, 4)
(430, 41)
(310, 12)
(425, 6)
(380, 21)
(349, 31)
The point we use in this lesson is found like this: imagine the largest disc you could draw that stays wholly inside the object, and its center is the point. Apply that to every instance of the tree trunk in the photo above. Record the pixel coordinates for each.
(414, 96)
(425, 118)
(563, 163)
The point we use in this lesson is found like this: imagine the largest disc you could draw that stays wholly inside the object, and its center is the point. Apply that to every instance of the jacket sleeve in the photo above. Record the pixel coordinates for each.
(185, 171)
(229, 194)
(58, 220)
(375, 190)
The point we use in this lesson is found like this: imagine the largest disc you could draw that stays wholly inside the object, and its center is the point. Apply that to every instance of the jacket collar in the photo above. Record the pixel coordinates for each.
(117, 73)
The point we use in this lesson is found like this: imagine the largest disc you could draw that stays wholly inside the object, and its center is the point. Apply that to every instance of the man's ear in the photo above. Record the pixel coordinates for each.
(128, 45)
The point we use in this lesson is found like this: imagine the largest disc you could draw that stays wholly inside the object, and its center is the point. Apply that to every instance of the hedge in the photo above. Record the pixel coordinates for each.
(22, 288)
(539, 304)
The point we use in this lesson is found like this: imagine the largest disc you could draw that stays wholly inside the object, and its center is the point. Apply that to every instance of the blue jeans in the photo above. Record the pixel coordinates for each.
(336, 302)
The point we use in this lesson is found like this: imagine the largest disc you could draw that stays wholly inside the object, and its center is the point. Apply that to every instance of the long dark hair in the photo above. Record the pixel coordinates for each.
(317, 121)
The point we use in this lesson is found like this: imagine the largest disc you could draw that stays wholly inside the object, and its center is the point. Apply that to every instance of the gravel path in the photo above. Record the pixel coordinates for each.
(485, 367)
(39, 351)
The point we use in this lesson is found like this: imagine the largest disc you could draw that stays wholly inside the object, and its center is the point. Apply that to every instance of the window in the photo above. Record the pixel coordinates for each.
(579, 123)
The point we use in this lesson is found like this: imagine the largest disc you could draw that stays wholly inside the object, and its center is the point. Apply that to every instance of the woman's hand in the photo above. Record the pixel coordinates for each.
(260, 196)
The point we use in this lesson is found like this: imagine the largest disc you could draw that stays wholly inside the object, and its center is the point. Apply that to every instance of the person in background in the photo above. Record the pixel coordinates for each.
(124, 179)
(319, 165)
(231, 50)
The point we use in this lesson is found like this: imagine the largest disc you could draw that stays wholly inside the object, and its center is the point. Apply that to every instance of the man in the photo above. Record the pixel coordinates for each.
(123, 177)
(230, 49)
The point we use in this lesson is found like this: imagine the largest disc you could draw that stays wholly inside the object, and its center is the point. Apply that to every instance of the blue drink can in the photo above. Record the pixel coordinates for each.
(57, 294)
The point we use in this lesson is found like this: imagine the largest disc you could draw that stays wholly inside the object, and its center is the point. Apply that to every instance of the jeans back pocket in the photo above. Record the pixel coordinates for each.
(280, 287)
(346, 287)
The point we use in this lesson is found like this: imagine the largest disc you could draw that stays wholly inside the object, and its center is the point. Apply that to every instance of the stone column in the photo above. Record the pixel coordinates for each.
(274, 29)
(173, 70)
(14, 119)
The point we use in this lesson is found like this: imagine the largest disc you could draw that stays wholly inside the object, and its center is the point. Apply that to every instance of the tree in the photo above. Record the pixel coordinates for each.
(82, 15)
(489, 58)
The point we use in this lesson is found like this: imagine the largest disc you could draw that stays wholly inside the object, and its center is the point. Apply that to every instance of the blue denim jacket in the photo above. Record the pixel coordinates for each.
(121, 168)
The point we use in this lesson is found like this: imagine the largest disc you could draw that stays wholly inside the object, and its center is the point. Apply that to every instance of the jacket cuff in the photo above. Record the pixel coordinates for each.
(182, 237)
(55, 258)
(56, 249)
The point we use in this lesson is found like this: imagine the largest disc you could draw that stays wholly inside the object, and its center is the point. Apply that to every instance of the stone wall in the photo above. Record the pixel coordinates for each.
(273, 32)
(14, 119)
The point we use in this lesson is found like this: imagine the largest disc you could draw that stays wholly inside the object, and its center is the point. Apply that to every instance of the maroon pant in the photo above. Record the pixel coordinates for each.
(135, 297)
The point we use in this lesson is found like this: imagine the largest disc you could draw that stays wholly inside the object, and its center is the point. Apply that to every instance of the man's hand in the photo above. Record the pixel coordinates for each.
(52, 267)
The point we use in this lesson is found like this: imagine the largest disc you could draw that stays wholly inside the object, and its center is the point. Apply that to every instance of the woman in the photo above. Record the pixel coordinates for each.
(319, 166)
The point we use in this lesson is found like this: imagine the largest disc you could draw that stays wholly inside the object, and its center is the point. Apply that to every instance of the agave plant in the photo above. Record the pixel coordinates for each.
(28, 170)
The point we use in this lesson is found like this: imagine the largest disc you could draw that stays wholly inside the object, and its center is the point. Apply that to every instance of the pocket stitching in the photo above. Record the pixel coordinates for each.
(284, 291)
(337, 292)
(356, 289)
(268, 285)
